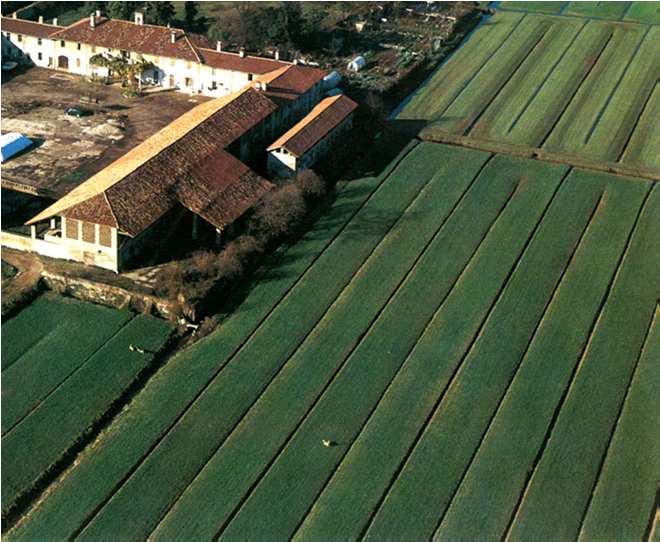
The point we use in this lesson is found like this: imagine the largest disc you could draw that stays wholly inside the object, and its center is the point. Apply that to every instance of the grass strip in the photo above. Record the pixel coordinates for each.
(519, 89)
(535, 7)
(433, 468)
(104, 467)
(626, 488)
(42, 438)
(454, 75)
(353, 493)
(339, 416)
(558, 491)
(37, 321)
(601, 10)
(496, 477)
(618, 120)
(549, 104)
(642, 149)
(246, 376)
(295, 391)
(57, 355)
(467, 107)
(644, 12)
(570, 133)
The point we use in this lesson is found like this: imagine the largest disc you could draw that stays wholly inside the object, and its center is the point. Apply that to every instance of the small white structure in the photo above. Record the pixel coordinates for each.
(309, 140)
(12, 144)
(357, 63)
(331, 80)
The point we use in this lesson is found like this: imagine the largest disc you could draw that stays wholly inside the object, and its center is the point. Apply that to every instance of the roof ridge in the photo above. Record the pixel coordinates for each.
(29, 21)
(112, 211)
(192, 47)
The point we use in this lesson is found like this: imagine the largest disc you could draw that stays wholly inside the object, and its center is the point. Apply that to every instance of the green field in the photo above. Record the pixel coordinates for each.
(457, 298)
(639, 12)
(579, 90)
(64, 363)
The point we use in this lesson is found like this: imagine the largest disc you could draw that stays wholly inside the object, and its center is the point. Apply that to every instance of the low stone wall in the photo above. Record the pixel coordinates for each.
(112, 296)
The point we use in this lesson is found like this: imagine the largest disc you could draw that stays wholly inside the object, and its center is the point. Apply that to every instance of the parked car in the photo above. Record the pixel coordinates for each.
(77, 111)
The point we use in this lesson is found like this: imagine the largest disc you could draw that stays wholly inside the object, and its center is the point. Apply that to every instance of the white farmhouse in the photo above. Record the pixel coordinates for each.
(309, 140)
(182, 61)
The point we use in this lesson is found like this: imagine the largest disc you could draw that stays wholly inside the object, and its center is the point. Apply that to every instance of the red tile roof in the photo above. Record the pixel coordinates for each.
(128, 36)
(28, 28)
(289, 82)
(183, 164)
(233, 61)
(320, 121)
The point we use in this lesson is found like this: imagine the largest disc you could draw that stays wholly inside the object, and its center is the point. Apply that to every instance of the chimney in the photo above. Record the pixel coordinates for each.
(241, 52)
(218, 46)
(55, 21)
(41, 19)
(92, 21)
(277, 54)
(98, 13)
(295, 61)
(173, 37)
(138, 17)
(14, 15)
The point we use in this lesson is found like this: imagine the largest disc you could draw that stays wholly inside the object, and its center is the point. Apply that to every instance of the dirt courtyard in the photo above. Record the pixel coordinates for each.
(67, 150)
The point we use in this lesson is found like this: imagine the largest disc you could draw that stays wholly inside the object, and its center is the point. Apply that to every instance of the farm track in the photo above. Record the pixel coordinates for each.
(572, 89)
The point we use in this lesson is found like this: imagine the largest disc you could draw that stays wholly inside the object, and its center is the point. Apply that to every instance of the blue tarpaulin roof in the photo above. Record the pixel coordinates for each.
(12, 144)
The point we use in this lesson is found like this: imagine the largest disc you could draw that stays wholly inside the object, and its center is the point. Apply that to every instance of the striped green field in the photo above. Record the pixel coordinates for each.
(639, 12)
(367, 383)
(579, 89)
(67, 362)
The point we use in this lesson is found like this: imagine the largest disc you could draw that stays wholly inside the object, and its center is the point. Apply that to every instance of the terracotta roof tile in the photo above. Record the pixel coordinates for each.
(127, 36)
(289, 82)
(185, 163)
(320, 121)
(233, 61)
(28, 28)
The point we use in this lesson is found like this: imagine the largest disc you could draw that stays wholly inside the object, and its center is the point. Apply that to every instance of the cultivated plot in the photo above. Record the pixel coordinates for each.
(65, 363)
(369, 383)
(570, 89)
(639, 12)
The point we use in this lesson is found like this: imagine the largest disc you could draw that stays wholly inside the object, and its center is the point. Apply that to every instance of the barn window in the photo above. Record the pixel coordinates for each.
(77, 63)
(19, 37)
(38, 41)
(79, 46)
(250, 76)
(40, 56)
(93, 48)
(105, 236)
(62, 44)
(189, 82)
(71, 228)
(88, 232)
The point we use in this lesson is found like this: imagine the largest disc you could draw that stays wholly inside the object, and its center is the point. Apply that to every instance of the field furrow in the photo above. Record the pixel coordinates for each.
(352, 494)
(601, 10)
(627, 486)
(525, 83)
(266, 510)
(572, 130)
(53, 359)
(614, 127)
(264, 430)
(419, 495)
(491, 487)
(642, 149)
(547, 106)
(470, 103)
(245, 378)
(643, 12)
(559, 489)
(64, 512)
(436, 94)
(41, 439)
(540, 7)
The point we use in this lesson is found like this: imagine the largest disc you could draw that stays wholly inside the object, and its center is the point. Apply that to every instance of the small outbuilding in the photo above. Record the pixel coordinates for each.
(357, 63)
(13, 143)
(331, 80)
(310, 139)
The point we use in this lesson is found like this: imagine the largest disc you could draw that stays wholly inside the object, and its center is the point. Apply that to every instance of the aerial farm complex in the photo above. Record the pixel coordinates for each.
(461, 343)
